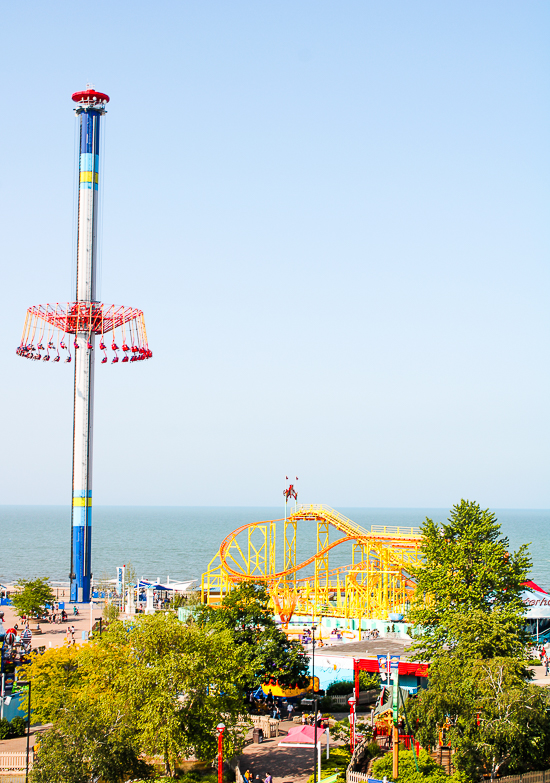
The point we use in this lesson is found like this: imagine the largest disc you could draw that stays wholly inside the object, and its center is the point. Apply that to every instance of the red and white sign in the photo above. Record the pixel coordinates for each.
(537, 601)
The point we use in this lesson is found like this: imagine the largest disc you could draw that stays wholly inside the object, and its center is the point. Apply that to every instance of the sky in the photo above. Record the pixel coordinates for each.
(335, 218)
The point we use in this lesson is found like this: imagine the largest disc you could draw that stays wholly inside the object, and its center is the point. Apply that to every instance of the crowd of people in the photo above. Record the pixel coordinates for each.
(248, 777)
(267, 705)
(336, 635)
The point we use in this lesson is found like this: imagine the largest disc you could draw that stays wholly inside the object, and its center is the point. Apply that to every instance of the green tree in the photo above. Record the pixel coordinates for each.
(83, 747)
(32, 597)
(471, 627)
(151, 684)
(246, 616)
(468, 572)
(498, 721)
(110, 612)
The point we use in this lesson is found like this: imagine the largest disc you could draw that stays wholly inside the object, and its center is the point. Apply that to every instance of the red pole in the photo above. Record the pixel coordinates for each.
(356, 667)
(220, 728)
(352, 703)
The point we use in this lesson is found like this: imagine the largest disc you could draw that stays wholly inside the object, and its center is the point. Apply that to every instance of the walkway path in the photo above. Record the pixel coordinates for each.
(53, 634)
(284, 764)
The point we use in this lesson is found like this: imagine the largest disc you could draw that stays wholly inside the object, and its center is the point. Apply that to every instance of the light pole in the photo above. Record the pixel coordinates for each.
(27, 683)
(352, 701)
(221, 728)
(313, 629)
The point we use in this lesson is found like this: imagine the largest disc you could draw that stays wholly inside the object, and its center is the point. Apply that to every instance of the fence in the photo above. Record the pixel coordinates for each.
(358, 777)
(15, 762)
(528, 777)
(269, 726)
(339, 699)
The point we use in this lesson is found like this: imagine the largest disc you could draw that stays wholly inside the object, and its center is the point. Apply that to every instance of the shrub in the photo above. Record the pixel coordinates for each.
(341, 688)
(374, 750)
(367, 681)
(428, 770)
(4, 728)
(18, 727)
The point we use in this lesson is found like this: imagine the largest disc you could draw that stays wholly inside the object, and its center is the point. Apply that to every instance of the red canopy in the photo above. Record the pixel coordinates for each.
(533, 586)
(302, 735)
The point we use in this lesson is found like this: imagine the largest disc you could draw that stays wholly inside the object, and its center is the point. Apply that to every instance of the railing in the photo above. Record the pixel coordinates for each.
(269, 726)
(339, 699)
(528, 777)
(391, 530)
(359, 777)
(349, 526)
(11, 761)
(338, 520)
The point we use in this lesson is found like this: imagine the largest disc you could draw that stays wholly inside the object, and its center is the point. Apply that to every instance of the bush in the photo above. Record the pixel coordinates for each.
(110, 613)
(367, 682)
(341, 688)
(374, 750)
(18, 727)
(429, 771)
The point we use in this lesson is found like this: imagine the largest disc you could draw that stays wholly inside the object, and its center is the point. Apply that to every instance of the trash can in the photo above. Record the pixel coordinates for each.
(257, 735)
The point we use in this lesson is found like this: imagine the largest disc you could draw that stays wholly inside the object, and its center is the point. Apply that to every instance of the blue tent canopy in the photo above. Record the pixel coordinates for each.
(155, 585)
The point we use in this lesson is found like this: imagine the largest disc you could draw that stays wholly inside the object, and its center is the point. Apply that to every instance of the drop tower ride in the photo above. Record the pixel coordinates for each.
(50, 329)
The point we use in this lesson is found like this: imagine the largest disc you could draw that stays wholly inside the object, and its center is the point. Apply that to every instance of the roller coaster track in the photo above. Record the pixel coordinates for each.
(377, 581)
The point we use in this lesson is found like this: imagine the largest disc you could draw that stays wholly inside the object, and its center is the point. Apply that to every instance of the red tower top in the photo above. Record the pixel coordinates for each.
(90, 96)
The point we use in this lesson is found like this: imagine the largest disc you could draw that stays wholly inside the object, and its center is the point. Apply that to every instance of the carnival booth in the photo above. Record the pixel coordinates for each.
(537, 616)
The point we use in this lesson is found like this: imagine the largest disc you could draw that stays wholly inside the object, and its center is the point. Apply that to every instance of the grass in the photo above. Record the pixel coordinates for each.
(339, 760)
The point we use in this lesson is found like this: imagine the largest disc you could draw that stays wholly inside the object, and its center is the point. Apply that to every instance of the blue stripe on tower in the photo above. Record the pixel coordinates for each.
(87, 161)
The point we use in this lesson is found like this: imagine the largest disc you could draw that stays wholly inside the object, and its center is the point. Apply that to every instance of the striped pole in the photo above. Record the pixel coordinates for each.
(91, 107)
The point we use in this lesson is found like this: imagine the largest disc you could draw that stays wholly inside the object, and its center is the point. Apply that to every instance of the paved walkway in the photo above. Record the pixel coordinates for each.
(540, 678)
(19, 744)
(286, 765)
(54, 635)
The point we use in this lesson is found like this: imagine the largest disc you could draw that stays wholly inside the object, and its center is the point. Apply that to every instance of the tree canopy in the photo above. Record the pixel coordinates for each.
(469, 573)
(246, 616)
(496, 721)
(150, 686)
(32, 597)
(470, 626)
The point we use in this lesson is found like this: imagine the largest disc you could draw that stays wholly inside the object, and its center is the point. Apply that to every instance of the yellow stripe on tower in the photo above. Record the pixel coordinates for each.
(86, 176)
(82, 501)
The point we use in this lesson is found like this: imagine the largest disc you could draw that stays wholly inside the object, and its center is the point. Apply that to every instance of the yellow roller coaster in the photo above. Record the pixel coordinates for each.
(376, 583)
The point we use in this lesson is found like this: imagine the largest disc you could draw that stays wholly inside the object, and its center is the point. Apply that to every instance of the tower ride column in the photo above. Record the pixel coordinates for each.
(53, 331)
(91, 107)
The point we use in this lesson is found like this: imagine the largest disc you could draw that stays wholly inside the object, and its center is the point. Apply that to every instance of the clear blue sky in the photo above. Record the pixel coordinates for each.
(335, 217)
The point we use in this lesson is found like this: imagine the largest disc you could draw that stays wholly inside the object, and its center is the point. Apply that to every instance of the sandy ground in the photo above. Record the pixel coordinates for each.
(54, 635)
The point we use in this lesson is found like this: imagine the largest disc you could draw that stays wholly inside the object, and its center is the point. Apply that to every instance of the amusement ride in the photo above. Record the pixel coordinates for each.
(69, 330)
(376, 583)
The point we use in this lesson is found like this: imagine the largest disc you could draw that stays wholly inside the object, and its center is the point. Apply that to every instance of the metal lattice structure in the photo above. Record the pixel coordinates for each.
(376, 583)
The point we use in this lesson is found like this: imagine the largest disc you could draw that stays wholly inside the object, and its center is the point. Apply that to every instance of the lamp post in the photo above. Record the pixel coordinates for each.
(313, 629)
(221, 728)
(352, 701)
(27, 683)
